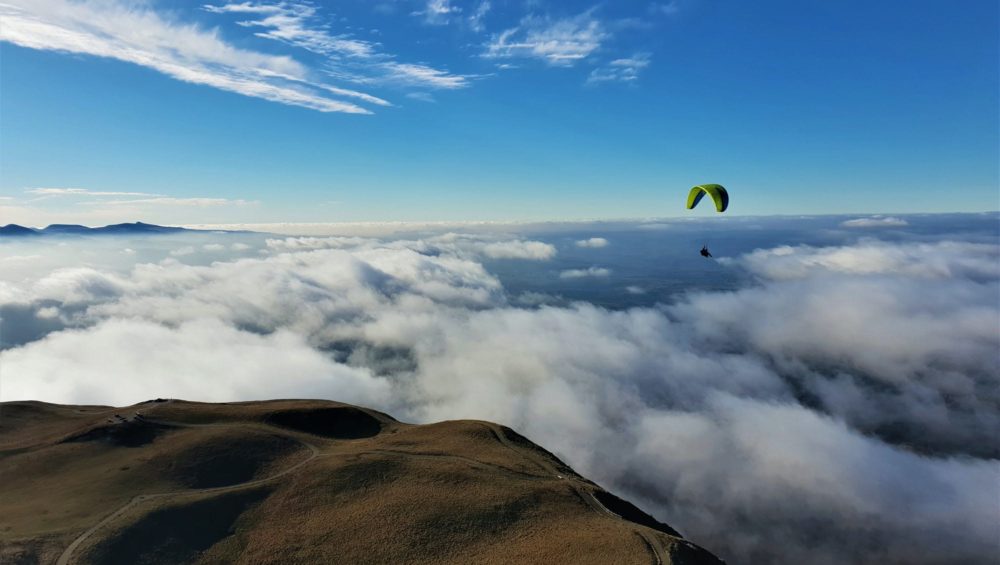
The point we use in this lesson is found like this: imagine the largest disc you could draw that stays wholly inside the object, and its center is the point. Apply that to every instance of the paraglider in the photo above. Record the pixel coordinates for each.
(716, 191)
(719, 196)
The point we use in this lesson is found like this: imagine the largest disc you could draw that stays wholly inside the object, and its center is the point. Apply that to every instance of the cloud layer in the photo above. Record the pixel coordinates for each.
(841, 407)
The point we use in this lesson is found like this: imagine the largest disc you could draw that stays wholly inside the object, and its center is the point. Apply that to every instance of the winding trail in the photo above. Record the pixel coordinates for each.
(314, 452)
(651, 542)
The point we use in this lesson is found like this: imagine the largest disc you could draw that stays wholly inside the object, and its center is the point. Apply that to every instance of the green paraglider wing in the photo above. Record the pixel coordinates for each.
(716, 191)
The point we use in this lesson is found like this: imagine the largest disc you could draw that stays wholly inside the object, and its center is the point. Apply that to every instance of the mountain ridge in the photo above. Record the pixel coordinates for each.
(15, 230)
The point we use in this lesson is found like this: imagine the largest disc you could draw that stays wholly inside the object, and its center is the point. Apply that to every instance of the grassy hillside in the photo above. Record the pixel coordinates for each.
(299, 481)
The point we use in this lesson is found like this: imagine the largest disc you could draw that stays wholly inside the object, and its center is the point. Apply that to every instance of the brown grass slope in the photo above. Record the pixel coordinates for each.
(300, 481)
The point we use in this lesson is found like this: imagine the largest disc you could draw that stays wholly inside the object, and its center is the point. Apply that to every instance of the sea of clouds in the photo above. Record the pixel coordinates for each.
(840, 406)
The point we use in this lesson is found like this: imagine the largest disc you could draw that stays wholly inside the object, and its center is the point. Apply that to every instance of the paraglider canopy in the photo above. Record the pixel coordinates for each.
(716, 191)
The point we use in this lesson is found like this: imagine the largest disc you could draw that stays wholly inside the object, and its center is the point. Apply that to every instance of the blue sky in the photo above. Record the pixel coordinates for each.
(184, 112)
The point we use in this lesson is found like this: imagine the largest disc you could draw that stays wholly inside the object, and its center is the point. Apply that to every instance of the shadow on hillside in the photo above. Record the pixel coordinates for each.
(176, 534)
(340, 422)
(134, 433)
(225, 461)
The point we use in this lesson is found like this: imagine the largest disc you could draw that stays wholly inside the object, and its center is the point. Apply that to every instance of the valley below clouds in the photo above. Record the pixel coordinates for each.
(825, 398)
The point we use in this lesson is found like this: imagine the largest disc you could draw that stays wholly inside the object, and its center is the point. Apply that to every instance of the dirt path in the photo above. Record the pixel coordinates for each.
(67, 554)
(541, 463)
(654, 545)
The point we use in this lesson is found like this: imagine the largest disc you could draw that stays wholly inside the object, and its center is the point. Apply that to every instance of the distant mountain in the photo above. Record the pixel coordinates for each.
(137, 227)
(16, 230)
(74, 229)
(67, 228)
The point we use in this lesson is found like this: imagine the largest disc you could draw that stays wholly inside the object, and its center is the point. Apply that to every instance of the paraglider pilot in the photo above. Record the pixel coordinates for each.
(719, 196)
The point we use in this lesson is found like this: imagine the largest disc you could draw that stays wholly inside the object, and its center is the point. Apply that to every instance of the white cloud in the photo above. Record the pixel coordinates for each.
(593, 242)
(875, 222)
(517, 249)
(477, 16)
(200, 358)
(81, 192)
(421, 96)
(213, 247)
(186, 250)
(134, 33)
(171, 201)
(632, 289)
(561, 42)
(356, 60)
(437, 12)
(620, 70)
(289, 22)
(422, 76)
(354, 94)
(594, 272)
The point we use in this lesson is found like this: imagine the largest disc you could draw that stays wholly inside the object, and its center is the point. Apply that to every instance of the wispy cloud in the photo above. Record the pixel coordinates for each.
(875, 222)
(477, 16)
(561, 42)
(137, 34)
(346, 58)
(421, 96)
(620, 70)
(422, 75)
(290, 22)
(170, 201)
(117, 198)
(438, 12)
(49, 192)
(664, 8)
